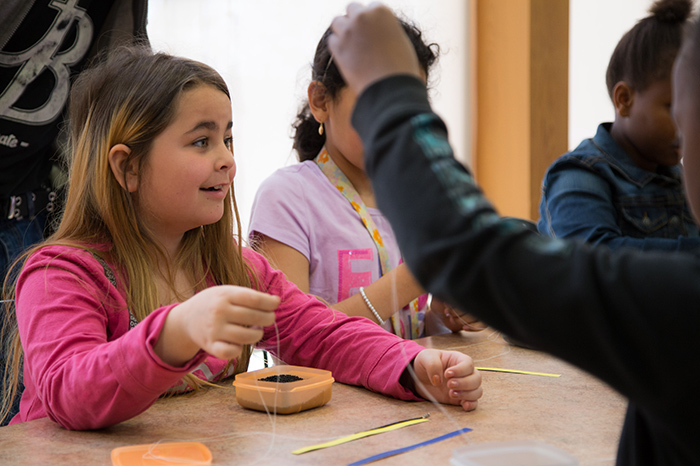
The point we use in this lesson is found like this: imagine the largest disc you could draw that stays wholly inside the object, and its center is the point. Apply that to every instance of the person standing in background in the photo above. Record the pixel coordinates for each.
(43, 45)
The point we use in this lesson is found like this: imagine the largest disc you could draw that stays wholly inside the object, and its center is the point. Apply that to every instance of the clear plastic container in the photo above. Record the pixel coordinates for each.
(520, 453)
(313, 390)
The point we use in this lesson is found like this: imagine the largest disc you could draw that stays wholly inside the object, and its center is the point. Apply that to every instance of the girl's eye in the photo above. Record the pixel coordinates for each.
(201, 143)
(229, 143)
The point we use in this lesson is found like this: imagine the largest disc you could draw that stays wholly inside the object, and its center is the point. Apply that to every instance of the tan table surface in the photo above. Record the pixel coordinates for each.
(574, 412)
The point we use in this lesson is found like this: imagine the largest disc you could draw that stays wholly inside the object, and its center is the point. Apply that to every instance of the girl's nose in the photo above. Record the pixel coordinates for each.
(225, 159)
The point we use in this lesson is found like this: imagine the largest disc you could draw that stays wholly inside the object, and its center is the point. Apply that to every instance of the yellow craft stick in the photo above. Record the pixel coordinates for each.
(514, 371)
(359, 435)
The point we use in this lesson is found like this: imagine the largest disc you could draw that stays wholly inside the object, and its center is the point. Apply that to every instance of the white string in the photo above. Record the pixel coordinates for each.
(439, 406)
(272, 415)
(610, 460)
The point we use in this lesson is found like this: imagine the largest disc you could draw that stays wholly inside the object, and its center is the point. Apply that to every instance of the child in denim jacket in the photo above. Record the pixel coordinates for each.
(623, 187)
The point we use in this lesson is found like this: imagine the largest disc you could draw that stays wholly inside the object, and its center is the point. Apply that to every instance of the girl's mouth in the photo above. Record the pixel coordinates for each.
(219, 187)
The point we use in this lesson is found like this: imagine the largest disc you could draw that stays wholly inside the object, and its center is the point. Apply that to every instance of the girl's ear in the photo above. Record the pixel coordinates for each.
(127, 176)
(623, 98)
(318, 101)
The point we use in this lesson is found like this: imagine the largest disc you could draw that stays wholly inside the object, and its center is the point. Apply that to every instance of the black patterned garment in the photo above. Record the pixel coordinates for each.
(630, 318)
(49, 46)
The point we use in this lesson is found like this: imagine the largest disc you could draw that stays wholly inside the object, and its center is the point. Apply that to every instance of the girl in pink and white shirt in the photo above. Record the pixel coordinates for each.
(317, 221)
(143, 290)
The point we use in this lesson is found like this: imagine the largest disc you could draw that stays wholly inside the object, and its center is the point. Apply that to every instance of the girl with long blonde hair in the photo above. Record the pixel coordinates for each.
(144, 290)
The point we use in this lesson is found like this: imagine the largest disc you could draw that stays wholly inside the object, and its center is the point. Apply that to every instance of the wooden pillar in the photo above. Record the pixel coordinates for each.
(521, 108)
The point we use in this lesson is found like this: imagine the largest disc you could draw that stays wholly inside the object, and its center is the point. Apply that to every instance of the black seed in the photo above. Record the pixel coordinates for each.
(281, 378)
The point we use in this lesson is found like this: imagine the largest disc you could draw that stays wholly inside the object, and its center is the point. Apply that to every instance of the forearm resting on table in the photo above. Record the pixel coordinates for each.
(388, 294)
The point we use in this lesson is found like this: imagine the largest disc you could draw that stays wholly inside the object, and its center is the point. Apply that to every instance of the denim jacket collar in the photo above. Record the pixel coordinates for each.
(618, 158)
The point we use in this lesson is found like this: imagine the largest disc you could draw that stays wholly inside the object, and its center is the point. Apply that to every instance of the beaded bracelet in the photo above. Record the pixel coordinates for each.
(369, 305)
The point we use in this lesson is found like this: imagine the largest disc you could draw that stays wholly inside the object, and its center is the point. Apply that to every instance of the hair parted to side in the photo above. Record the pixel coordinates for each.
(130, 97)
(307, 140)
(646, 53)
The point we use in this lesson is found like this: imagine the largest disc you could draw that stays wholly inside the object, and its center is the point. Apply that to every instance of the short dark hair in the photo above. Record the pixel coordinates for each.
(646, 53)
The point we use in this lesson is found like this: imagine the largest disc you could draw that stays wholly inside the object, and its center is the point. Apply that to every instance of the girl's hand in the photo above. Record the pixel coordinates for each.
(220, 320)
(447, 376)
(453, 319)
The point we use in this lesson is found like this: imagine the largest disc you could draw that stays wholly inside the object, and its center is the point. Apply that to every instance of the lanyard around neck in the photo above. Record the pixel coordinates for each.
(336, 176)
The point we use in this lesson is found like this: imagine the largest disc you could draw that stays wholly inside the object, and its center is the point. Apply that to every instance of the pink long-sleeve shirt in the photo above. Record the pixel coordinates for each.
(84, 368)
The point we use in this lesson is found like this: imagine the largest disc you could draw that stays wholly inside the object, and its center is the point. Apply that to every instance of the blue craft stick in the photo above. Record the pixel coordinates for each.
(398, 451)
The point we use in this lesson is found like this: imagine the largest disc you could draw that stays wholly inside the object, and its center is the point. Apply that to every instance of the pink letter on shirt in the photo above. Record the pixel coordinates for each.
(354, 270)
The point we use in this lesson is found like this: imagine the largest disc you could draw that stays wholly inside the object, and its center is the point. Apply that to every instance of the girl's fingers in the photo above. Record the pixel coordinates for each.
(225, 350)
(472, 395)
(430, 362)
(471, 382)
(249, 317)
(458, 365)
(236, 334)
(228, 342)
(469, 405)
(249, 298)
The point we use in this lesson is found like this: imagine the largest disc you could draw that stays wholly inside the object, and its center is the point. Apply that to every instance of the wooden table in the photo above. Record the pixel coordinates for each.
(574, 412)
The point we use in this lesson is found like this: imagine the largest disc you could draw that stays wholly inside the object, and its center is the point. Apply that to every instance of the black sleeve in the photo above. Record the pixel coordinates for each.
(629, 318)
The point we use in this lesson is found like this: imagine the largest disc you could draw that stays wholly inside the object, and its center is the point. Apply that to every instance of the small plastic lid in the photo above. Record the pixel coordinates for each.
(520, 452)
(159, 454)
(310, 378)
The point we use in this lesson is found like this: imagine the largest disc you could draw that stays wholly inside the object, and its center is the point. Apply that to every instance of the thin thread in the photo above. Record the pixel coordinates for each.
(431, 399)
(272, 417)
(149, 455)
(274, 435)
(610, 460)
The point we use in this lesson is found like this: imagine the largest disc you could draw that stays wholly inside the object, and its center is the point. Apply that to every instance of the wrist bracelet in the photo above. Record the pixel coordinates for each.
(369, 305)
